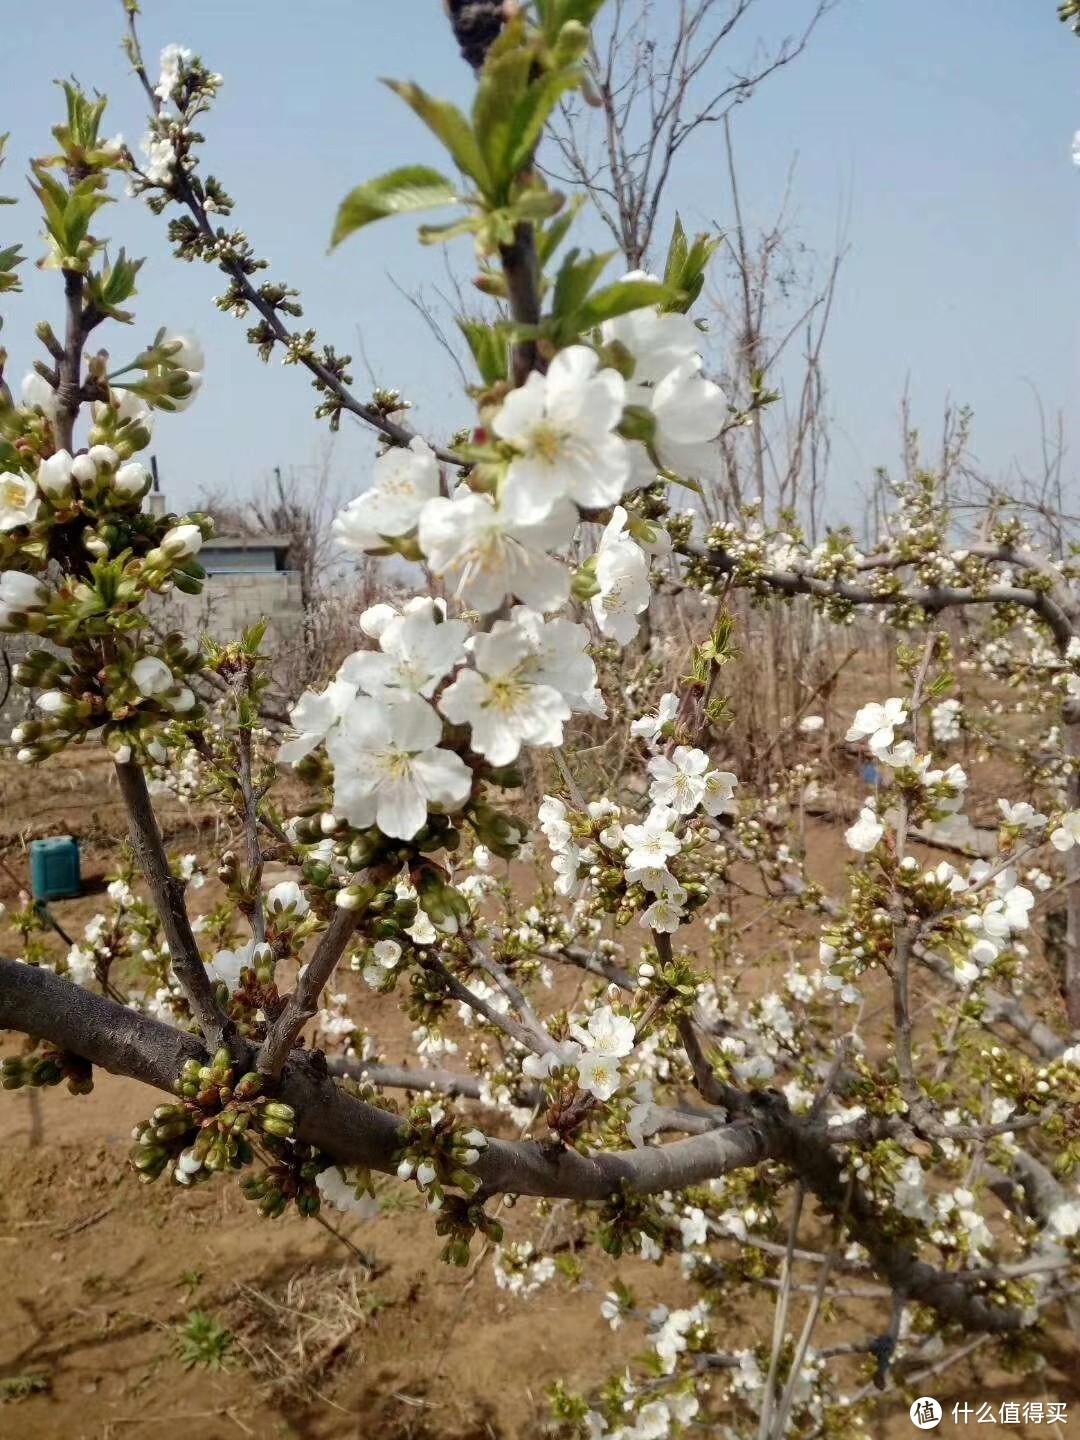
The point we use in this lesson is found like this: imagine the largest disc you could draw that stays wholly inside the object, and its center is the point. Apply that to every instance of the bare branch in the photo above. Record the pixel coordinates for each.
(167, 892)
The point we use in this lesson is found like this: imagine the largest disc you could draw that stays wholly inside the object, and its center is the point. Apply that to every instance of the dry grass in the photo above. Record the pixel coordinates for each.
(293, 1334)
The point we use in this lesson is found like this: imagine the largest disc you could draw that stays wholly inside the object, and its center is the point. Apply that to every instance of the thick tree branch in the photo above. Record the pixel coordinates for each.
(931, 598)
(38, 1002)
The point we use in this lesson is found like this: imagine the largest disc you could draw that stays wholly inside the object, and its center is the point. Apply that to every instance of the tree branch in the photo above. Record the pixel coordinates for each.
(303, 1003)
(38, 1002)
(167, 892)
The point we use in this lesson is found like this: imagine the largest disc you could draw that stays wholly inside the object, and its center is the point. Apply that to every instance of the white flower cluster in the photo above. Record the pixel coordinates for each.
(380, 729)
(519, 1269)
(945, 721)
(594, 1052)
(653, 1420)
(561, 453)
(942, 789)
(681, 785)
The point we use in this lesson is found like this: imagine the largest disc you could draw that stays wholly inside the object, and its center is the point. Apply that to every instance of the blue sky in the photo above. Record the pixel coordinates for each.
(935, 134)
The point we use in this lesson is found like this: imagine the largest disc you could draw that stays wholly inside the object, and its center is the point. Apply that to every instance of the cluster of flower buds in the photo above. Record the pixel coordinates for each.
(47, 1067)
(135, 697)
(289, 1179)
(437, 1156)
(459, 1220)
(208, 1130)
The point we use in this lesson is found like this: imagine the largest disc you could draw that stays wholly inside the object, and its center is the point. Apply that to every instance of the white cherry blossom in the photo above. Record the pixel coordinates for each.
(652, 843)
(560, 659)
(648, 727)
(562, 427)
(1020, 814)
(487, 556)
(500, 702)
(666, 912)
(622, 572)
(877, 724)
(314, 716)
(679, 780)
(606, 1032)
(19, 500)
(866, 832)
(414, 655)
(389, 768)
(719, 797)
(657, 341)
(405, 480)
(598, 1074)
(1067, 834)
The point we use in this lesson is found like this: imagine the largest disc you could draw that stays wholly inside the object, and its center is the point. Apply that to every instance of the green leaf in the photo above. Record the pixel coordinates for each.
(557, 13)
(439, 234)
(575, 279)
(115, 284)
(620, 299)
(684, 273)
(678, 250)
(504, 78)
(550, 237)
(10, 259)
(533, 112)
(398, 192)
(490, 349)
(448, 123)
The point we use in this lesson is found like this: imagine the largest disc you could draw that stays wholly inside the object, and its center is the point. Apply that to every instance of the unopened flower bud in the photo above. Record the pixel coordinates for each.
(131, 480)
(83, 470)
(22, 592)
(53, 702)
(152, 676)
(182, 701)
(182, 541)
(54, 477)
(103, 456)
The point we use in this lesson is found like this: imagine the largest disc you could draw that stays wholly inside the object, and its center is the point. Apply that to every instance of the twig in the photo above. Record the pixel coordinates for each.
(303, 1003)
(168, 896)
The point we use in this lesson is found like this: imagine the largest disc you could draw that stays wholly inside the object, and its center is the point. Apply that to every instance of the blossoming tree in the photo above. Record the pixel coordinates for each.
(891, 1104)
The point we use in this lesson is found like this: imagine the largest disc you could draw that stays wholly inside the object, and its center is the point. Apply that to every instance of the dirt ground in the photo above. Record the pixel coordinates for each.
(100, 1279)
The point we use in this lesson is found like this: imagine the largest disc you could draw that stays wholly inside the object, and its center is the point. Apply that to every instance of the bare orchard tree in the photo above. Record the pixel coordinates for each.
(656, 81)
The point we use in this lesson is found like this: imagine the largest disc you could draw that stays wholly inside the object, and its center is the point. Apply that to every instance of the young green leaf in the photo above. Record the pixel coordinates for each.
(620, 299)
(398, 192)
(448, 123)
(684, 273)
(575, 279)
(489, 347)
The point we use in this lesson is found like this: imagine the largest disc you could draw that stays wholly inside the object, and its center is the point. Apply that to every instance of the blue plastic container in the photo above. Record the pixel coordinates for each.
(54, 868)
